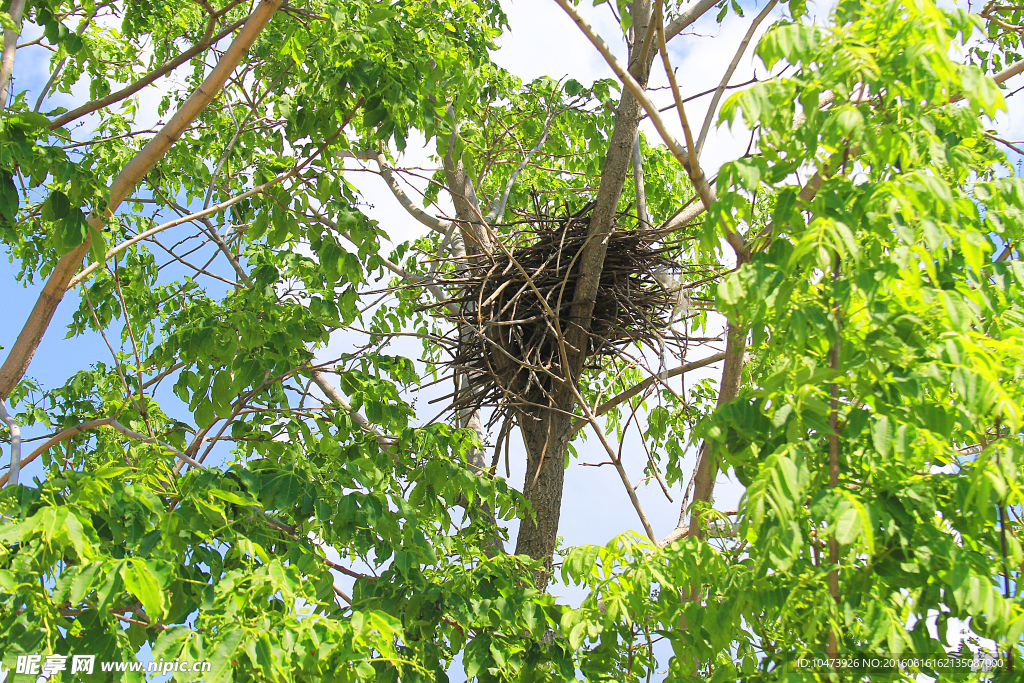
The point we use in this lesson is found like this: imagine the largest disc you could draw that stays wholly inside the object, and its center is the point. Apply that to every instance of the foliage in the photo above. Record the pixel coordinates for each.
(883, 312)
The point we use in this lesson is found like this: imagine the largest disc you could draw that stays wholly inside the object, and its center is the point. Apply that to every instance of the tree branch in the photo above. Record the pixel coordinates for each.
(471, 221)
(15, 430)
(416, 212)
(10, 45)
(25, 346)
(707, 466)
(92, 424)
(216, 208)
(627, 79)
(638, 186)
(700, 182)
(207, 40)
(333, 394)
(705, 128)
(684, 20)
(617, 462)
(650, 381)
(60, 65)
(499, 208)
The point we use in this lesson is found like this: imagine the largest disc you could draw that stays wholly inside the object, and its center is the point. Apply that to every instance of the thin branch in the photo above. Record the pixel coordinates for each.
(113, 354)
(386, 172)
(197, 215)
(700, 182)
(60, 65)
(162, 70)
(687, 18)
(92, 424)
(707, 92)
(635, 89)
(704, 129)
(499, 208)
(642, 219)
(15, 430)
(20, 356)
(10, 45)
(642, 386)
(631, 492)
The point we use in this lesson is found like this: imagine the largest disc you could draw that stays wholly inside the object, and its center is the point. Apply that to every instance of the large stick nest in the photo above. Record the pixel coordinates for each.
(509, 341)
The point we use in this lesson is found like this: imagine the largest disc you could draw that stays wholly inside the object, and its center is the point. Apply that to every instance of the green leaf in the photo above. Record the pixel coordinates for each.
(224, 654)
(83, 583)
(883, 431)
(848, 526)
(56, 206)
(8, 197)
(140, 580)
(98, 245)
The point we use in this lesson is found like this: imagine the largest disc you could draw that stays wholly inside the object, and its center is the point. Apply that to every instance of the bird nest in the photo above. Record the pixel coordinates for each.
(515, 302)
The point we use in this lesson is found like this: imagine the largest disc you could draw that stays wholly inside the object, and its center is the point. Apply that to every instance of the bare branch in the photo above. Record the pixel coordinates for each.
(638, 186)
(687, 18)
(1004, 75)
(416, 212)
(650, 381)
(10, 45)
(684, 217)
(15, 430)
(634, 88)
(591, 418)
(216, 208)
(60, 65)
(499, 208)
(729, 71)
(206, 41)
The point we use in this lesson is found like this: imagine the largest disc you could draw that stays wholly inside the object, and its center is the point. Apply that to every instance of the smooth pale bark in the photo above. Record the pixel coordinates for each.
(10, 44)
(24, 348)
(473, 237)
(416, 212)
(467, 208)
(15, 430)
(638, 187)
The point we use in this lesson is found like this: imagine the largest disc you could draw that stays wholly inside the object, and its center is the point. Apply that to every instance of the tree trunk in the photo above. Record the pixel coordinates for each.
(707, 463)
(546, 434)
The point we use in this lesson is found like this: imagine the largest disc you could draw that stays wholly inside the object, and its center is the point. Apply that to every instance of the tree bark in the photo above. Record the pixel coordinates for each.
(471, 238)
(707, 463)
(546, 434)
(10, 44)
(547, 431)
(613, 179)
